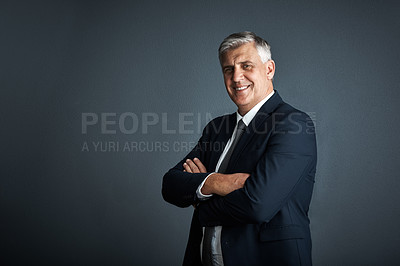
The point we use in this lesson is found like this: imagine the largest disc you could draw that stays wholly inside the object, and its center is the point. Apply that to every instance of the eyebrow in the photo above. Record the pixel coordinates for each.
(240, 63)
(246, 62)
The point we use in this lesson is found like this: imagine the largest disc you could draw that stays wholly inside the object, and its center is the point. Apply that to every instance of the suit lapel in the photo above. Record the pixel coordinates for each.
(223, 133)
(256, 126)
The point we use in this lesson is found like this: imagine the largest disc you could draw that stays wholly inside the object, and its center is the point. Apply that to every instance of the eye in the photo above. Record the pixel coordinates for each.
(246, 66)
(227, 70)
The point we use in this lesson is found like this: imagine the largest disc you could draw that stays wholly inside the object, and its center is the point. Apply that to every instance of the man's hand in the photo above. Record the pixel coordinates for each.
(220, 184)
(223, 184)
(195, 166)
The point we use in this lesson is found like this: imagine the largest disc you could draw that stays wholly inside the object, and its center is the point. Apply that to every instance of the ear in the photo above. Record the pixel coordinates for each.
(270, 65)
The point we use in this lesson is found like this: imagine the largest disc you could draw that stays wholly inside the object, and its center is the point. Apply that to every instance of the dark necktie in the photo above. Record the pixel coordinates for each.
(241, 127)
(207, 257)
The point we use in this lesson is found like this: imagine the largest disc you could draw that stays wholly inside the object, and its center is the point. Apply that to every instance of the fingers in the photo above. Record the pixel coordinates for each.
(200, 165)
(190, 166)
(186, 168)
(195, 166)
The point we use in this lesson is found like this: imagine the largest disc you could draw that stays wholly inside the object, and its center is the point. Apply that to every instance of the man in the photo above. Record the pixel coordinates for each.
(252, 197)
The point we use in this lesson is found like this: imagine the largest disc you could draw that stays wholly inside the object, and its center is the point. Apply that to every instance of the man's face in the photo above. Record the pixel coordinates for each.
(247, 79)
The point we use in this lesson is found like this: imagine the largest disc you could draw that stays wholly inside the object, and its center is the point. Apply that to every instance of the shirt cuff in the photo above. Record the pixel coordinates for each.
(200, 195)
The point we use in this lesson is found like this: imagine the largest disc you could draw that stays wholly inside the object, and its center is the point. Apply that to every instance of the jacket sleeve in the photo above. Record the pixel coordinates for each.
(178, 187)
(289, 158)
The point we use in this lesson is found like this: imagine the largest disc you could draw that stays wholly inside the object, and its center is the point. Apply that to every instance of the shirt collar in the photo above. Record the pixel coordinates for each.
(253, 111)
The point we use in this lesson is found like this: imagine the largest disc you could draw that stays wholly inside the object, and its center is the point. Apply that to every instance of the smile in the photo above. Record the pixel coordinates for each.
(242, 88)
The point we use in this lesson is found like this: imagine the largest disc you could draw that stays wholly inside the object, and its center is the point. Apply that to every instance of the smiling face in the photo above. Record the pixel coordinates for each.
(247, 79)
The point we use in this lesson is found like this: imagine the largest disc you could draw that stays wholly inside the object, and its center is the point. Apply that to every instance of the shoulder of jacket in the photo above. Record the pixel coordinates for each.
(285, 110)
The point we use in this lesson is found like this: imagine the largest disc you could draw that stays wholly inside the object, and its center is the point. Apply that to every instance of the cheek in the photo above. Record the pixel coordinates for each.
(253, 76)
(227, 83)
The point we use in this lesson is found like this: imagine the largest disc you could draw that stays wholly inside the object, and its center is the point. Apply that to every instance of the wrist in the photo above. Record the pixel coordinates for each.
(208, 187)
(212, 184)
(199, 191)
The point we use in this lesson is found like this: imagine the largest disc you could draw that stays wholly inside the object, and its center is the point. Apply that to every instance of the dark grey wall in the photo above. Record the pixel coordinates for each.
(60, 60)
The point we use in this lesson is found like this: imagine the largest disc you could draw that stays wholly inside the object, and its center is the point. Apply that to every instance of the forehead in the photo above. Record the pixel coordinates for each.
(245, 52)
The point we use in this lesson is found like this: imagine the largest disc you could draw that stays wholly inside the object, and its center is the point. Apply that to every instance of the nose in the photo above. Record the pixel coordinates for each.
(237, 75)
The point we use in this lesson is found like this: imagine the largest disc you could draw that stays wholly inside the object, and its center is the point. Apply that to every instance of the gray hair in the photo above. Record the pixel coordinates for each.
(235, 40)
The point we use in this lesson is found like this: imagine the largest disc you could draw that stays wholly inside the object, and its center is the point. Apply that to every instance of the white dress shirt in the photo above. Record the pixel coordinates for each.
(247, 118)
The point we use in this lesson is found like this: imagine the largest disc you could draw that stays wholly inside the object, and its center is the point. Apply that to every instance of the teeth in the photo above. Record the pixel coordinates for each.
(241, 88)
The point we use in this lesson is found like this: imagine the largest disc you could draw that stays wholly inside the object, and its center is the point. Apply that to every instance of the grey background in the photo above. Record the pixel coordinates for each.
(339, 61)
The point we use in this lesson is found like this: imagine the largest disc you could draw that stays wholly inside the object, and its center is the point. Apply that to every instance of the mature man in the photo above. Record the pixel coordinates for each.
(252, 197)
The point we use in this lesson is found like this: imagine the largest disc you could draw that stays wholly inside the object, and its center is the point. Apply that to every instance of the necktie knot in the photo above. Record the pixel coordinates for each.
(241, 125)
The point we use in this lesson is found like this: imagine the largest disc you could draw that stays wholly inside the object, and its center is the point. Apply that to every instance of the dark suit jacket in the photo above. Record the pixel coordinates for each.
(265, 222)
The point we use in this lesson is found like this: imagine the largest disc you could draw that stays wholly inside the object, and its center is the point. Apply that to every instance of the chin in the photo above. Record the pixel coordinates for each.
(241, 105)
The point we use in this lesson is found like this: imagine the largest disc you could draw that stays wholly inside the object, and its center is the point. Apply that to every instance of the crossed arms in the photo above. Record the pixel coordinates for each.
(243, 198)
(216, 183)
